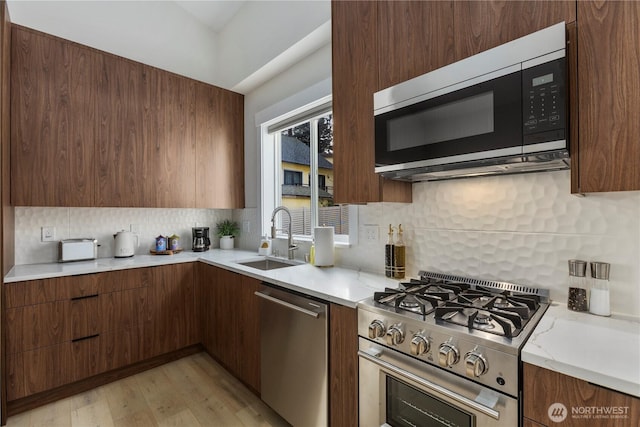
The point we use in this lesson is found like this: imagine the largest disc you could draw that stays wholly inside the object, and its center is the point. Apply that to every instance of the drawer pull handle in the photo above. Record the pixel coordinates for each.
(85, 297)
(85, 338)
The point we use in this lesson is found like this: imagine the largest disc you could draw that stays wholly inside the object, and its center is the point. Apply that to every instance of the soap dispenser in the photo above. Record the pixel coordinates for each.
(265, 246)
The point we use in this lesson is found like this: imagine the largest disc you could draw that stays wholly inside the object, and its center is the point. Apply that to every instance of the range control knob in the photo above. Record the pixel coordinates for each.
(448, 355)
(475, 364)
(395, 335)
(420, 345)
(376, 329)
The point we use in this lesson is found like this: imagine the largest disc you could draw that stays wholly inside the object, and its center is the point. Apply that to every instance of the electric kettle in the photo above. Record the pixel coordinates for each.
(124, 246)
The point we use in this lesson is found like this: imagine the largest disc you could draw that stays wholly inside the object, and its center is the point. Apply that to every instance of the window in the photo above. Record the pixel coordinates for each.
(297, 172)
(292, 177)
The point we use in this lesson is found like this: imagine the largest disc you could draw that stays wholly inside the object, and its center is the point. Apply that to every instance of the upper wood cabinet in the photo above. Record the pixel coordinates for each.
(94, 129)
(481, 25)
(220, 161)
(53, 106)
(355, 79)
(413, 38)
(608, 74)
(124, 120)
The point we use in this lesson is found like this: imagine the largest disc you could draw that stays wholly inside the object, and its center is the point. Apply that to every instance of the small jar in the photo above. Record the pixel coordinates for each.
(577, 299)
(599, 300)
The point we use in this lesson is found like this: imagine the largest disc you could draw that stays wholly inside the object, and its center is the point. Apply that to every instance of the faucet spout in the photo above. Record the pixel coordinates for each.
(290, 246)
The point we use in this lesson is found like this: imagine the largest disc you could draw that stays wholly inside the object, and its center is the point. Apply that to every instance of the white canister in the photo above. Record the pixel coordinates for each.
(323, 241)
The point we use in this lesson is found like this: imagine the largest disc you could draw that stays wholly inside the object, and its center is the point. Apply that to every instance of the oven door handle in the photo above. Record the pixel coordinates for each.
(429, 385)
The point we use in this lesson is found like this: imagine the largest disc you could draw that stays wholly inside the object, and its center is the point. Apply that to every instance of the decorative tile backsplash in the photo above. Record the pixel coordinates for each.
(518, 228)
(103, 223)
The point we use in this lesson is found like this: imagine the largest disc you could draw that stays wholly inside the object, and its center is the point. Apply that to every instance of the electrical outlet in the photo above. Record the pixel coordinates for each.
(246, 227)
(371, 233)
(134, 228)
(48, 233)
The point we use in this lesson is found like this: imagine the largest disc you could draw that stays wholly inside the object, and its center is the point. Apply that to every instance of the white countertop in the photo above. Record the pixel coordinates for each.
(338, 285)
(600, 350)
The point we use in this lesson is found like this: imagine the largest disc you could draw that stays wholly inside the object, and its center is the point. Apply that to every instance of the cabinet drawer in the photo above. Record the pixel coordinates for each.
(37, 326)
(31, 292)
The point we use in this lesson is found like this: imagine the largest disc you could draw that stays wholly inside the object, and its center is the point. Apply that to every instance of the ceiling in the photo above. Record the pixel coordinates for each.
(215, 14)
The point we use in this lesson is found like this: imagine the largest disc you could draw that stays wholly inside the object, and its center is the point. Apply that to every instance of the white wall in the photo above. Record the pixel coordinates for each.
(156, 33)
(262, 31)
(102, 224)
(310, 71)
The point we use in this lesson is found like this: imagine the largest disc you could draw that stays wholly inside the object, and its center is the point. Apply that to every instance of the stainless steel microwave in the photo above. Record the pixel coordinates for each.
(498, 112)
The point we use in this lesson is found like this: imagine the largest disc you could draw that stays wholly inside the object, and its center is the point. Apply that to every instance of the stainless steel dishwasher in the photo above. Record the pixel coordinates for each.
(294, 361)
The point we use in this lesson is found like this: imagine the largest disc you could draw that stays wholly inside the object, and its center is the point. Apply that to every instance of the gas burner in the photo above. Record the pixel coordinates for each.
(409, 302)
(483, 320)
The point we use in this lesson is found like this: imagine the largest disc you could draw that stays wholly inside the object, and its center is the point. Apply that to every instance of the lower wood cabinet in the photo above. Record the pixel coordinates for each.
(67, 329)
(343, 366)
(231, 322)
(585, 403)
(63, 330)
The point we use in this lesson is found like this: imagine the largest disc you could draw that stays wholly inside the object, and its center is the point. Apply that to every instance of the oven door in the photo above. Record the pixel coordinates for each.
(398, 391)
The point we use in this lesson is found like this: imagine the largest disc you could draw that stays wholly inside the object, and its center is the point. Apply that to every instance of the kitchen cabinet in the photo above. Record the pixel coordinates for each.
(608, 91)
(171, 322)
(123, 88)
(481, 25)
(67, 329)
(413, 38)
(231, 322)
(543, 387)
(53, 98)
(343, 366)
(355, 79)
(94, 129)
(220, 147)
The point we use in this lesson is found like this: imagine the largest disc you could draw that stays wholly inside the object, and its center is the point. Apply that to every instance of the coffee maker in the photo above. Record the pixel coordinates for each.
(201, 240)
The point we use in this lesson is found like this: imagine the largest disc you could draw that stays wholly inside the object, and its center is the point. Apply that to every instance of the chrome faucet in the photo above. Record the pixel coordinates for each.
(291, 247)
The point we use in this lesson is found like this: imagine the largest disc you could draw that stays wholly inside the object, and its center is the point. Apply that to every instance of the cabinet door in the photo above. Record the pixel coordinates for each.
(219, 148)
(355, 79)
(123, 130)
(608, 90)
(413, 38)
(481, 25)
(343, 366)
(53, 105)
(171, 322)
(543, 387)
(170, 151)
(248, 323)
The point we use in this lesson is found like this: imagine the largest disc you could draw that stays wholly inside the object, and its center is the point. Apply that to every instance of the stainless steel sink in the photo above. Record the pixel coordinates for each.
(266, 264)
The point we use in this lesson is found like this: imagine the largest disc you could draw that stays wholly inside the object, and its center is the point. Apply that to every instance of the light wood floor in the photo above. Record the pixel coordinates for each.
(193, 391)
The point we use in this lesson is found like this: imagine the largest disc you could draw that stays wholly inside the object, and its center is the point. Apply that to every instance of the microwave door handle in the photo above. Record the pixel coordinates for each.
(429, 385)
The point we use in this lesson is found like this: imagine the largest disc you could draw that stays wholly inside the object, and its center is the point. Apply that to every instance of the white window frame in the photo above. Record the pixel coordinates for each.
(271, 179)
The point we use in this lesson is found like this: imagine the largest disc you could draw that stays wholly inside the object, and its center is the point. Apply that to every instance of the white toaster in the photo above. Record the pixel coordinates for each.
(77, 249)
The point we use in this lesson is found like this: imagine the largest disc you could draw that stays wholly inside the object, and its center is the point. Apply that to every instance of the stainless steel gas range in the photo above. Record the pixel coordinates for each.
(444, 350)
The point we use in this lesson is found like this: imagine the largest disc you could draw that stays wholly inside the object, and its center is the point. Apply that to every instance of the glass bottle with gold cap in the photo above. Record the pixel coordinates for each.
(399, 256)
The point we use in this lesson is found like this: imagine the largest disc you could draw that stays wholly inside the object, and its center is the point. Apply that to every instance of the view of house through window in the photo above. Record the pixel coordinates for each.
(306, 177)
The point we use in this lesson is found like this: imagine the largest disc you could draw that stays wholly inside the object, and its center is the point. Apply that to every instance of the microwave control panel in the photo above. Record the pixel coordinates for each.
(544, 102)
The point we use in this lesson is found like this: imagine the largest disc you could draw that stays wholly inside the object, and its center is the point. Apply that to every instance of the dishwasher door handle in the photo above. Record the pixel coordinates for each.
(287, 304)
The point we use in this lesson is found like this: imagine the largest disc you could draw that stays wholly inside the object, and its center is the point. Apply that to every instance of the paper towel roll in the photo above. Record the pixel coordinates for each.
(323, 237)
